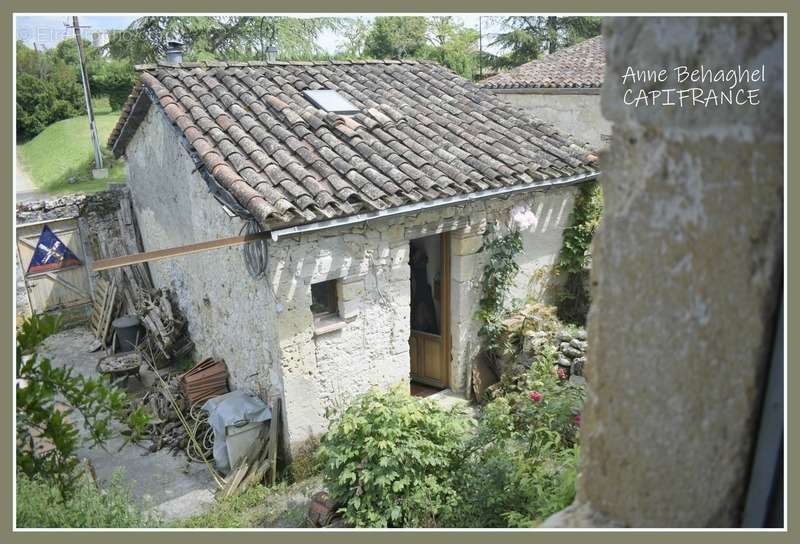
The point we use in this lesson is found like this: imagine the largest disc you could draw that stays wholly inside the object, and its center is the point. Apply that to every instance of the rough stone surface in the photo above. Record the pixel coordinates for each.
(687, 258)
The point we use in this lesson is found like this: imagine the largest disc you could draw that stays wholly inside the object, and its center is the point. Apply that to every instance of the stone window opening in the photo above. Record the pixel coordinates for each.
(325, 307)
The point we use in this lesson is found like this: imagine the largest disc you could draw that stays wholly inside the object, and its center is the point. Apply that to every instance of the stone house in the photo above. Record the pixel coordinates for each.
(375, 181)
(562, 88)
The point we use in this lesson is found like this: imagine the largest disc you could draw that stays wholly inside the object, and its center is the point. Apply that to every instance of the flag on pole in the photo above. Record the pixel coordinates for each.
(51, 253)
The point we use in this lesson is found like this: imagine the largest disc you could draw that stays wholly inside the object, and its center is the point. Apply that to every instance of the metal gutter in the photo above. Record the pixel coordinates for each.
(423, 206)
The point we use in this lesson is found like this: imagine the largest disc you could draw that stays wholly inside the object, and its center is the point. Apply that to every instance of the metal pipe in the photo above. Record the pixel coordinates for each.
(422, 206)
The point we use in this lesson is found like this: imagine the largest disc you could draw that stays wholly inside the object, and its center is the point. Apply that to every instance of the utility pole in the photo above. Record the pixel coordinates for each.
(480, 47)
(87, 95)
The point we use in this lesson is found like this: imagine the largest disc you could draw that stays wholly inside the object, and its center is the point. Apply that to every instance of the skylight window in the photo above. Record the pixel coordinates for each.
(330, 100)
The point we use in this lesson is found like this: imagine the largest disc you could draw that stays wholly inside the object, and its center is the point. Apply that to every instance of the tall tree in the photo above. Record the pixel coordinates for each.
(525, 38)
(355, 31)
(222, 38)
(396, 37)
(453, 45)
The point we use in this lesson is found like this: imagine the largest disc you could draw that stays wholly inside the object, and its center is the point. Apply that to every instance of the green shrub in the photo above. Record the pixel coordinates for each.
(114, 79)
(40, 505)
(33, 331)
(387, 460)
(521, 465)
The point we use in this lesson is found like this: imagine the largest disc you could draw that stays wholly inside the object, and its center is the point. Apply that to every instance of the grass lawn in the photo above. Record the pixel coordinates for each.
(64, 150)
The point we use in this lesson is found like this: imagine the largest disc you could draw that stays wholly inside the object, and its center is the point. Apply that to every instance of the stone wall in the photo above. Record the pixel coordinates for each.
(264, 328)
(570, 112)
(230, 314)
(686, 281)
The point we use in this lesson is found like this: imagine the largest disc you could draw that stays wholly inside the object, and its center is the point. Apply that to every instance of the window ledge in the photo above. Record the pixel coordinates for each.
(324, 325)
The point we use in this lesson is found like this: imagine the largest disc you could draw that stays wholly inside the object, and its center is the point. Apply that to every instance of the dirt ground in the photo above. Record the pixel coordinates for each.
(176, 487)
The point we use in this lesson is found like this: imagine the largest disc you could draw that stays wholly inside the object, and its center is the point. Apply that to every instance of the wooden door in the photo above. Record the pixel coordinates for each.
(430, 353)
(60, 288)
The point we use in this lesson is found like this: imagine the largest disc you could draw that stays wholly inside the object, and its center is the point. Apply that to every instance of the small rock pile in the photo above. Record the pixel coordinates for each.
(570, 344)
(572, 351)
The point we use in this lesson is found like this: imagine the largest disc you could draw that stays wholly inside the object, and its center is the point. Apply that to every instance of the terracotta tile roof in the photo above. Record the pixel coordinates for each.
(580, 65)
(422, 133)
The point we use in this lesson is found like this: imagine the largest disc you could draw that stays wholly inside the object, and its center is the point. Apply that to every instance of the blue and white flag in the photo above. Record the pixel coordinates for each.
(51, 253)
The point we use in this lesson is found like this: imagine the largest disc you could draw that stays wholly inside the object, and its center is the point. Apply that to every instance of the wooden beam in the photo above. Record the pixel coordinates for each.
(158, 254)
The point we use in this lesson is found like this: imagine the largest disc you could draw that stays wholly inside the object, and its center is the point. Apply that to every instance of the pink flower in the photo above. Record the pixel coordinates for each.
(535, 396)
(578, 420)
(562, 374)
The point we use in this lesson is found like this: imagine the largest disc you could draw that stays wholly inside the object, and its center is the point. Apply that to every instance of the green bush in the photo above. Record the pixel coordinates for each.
(40, 505)
(521, 465)
(35, 329)
(387, 460)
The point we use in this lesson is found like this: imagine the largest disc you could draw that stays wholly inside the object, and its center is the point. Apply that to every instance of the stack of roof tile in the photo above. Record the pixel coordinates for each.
(207, 379)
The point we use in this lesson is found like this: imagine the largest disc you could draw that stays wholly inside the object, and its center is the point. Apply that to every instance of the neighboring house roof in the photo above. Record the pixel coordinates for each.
(580, 65)
(422, 133)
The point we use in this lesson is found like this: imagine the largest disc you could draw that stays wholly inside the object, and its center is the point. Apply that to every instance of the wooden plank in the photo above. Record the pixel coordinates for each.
(444, 312)
(158, 254)
(273, 439)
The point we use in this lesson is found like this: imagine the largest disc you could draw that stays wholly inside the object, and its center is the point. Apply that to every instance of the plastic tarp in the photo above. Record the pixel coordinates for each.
(236, 408)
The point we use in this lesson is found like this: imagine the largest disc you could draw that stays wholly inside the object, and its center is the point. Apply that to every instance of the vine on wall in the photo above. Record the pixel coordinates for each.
(575, 254)
(498, 275)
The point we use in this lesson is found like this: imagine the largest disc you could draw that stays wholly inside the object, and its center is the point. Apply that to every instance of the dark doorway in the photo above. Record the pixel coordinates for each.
(430, 310)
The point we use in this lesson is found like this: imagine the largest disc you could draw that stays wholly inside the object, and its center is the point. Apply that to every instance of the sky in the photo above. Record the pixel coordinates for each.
(47, 30)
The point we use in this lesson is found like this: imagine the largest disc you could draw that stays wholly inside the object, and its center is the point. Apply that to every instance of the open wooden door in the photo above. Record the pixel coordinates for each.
(430, 349)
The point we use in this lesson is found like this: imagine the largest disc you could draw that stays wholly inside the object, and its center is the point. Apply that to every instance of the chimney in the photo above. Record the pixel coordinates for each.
(174, 51)
(272, 53)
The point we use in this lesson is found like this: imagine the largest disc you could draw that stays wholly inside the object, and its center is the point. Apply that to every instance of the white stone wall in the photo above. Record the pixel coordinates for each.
(575, 114)
(264, 329)
(230, 315)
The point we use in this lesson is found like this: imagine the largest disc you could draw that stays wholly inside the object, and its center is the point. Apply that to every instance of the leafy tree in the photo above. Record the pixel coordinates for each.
(48, 89)
(355, 32)
(221, 38)
(396, 37)
(114, 79)
(526, 37)
(454, 45)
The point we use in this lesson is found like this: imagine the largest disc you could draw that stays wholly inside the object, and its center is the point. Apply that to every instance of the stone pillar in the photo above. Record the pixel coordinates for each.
(686, 279)
(466, 267)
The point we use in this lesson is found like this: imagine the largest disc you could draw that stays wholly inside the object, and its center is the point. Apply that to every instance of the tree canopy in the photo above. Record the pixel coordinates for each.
(525, 38)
